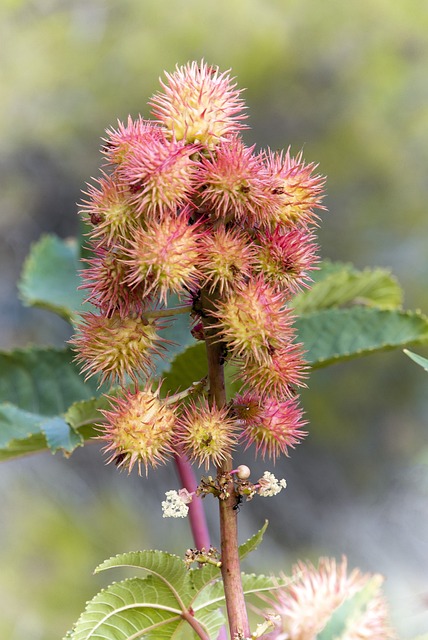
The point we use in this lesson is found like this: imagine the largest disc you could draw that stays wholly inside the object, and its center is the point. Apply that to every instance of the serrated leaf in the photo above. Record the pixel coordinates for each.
(169, 568)
(203, 576)
(37, 386)
(50, 277)
(84, 415)
(252, 543)
(22, 432)
(18, 448)
(339, 284)
(59, 435)
(253, 584)
(133, 608)
(171, 593)
(423, 362)
(350, 609)
(335, 335)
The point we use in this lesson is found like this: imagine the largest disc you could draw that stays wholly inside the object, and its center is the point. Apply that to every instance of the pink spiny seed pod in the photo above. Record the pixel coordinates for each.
(199, 104)
(274, 427)
(278, 374)
(226, 259)
(119, 141)
(106, 279)
(116, 347)
(163, 256)
(109, 210)
(285, 259)
(235, 184)
(139, 430)
(313, 595)
(207, 434)
(159, 174)
(297, 191)
(253, 321)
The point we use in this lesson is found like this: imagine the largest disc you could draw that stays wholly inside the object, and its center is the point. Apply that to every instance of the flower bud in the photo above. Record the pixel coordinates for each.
(243, 472)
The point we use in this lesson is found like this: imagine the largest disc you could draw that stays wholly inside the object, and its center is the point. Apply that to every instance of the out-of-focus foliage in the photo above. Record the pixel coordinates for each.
(344, 80)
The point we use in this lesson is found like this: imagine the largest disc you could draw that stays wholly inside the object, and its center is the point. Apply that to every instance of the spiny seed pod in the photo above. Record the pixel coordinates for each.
(106, 280)
(159, 175)
(207, 434)
(139, 430)
(199, 104)
(235, 185)
(253, 321)
(286, 258)
(116, 347)
(109, 210)
(226, 259)
(274, 428)
(277, 375)
(163, 256)
(313, 594)
(297, 191)
(119, 141)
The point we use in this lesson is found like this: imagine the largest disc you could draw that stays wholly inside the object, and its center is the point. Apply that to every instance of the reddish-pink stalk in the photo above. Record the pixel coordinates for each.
(196, 626)
(197, 518)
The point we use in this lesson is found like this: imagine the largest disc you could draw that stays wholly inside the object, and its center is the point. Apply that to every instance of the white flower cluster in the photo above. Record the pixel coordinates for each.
(269, 485)
(175, 505)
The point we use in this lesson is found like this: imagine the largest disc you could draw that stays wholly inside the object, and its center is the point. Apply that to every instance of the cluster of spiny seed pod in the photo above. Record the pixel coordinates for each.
(184, 207)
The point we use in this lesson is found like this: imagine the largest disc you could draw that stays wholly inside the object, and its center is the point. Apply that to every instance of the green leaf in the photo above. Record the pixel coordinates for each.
(134, 608)
(37, 387)
(339, 284)
(252, 543)
(154, 608)
(335, 335)
(50, 277)
(186, 368)
(350, 608)
(423, 362)
(166, 566)
(252, 584)
(178, 332)
(59, 435)
(84, 415)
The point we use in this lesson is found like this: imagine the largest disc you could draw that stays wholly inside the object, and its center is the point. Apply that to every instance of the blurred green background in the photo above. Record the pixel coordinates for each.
(347, 83)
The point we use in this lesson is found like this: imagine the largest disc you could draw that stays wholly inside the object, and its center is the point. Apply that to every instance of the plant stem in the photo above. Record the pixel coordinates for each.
(198, 521)
(165, 313)
(230, 568)
(196, 626)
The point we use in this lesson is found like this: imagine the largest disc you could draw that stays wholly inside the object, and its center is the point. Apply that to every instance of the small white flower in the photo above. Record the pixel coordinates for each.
(270, 486)
(175, 505)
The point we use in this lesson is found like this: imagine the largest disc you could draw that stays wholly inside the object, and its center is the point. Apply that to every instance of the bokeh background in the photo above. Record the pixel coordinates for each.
(347, 83)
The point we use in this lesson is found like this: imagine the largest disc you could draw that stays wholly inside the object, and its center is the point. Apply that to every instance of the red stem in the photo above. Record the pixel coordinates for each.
(198, 521)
